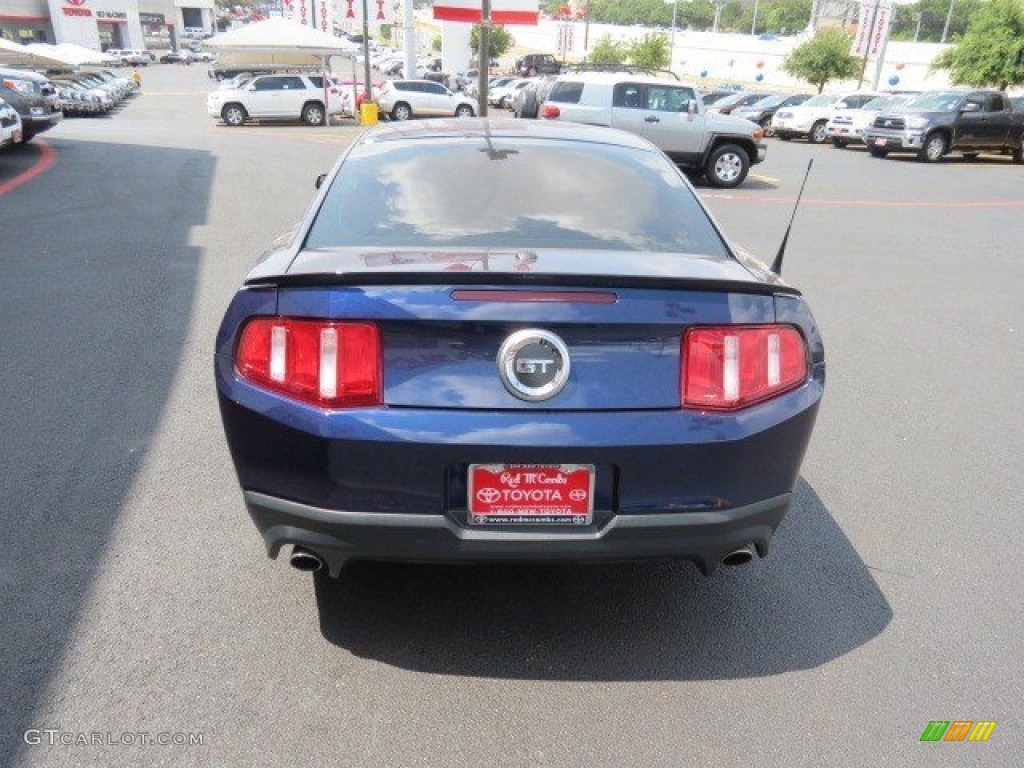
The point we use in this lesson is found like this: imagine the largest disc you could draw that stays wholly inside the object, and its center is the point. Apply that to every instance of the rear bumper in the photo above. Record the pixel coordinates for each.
(339, 536)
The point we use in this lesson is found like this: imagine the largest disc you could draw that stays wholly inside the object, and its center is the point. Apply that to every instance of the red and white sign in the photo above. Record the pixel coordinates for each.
(350, 14)
(502, 11)
(510, 494)
(872, 26)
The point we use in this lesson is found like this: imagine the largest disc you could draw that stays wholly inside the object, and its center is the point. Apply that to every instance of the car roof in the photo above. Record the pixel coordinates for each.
(610, 78)
(502, 128)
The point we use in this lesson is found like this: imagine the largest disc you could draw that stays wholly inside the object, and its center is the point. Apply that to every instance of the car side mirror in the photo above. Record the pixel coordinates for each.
(320, 180)
(971, 106)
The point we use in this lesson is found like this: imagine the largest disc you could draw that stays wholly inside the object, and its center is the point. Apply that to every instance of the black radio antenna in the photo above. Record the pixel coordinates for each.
(777, 264)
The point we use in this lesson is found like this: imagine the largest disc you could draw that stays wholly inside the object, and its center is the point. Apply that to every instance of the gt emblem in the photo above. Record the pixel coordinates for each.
(533, 364)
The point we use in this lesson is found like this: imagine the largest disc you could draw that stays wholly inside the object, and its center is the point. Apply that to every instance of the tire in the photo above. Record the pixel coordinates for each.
(817, 134)
(727, 166)
(464, 110)
(401, 111)
(784, 136)
(234, 114)
(1017, 155)
(766, 126)
(314, 114)
(532, 72)
(839, 143)
(971, 157)
(877, 152)
(934, 147)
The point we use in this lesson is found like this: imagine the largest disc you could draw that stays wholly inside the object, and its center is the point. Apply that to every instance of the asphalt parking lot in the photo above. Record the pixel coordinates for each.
(137, 600)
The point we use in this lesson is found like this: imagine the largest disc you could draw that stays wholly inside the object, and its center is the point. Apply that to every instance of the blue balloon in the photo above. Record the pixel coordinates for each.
(759, 77)
(703, 73)
(894, 80)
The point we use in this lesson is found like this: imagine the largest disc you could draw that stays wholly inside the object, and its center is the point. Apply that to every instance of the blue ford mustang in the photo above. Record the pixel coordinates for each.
(514, 341)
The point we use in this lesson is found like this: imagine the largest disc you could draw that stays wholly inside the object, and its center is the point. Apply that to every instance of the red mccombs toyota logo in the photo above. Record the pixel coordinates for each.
(74, 8)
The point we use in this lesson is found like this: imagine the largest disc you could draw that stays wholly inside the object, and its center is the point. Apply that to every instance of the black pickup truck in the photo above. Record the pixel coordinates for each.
(939, 122)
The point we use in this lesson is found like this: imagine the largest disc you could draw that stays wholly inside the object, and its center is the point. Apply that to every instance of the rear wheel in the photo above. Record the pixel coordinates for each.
(464, 110)
(401, 111)
(314, 114)
(839, 143)
(784, 136)
(817, 134)
(727, 166)
(1017, 155)
(766, 126)
(933, 149)
(877, 152)
(234, 114)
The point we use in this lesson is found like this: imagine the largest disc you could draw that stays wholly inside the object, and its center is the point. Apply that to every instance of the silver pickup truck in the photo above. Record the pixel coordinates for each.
(666, 112)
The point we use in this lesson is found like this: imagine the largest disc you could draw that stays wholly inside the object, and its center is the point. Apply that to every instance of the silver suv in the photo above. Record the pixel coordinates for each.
(666, 112)
(276, 97)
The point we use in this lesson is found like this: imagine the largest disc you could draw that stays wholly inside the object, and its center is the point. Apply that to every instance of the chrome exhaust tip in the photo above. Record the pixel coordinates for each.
(306, 561)
(740, 556)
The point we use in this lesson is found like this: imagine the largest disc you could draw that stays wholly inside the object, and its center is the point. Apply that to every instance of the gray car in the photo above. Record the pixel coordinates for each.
(35, 99)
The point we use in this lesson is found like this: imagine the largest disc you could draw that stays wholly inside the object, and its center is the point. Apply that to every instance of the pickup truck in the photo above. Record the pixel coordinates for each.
(939, 122)
(666, 112)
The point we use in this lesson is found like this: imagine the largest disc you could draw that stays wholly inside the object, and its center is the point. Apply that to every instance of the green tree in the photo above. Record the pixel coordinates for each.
(608, 52)
(991, 52)
(784, 17)
(926, 19)
(498, 42)
(651, 51)
(385, 33)
(824, 57)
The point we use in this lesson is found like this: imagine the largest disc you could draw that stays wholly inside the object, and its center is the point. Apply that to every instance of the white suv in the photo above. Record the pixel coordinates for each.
(10, 125)
(811, 118)
(276, 97)
(666, 112)
(402, 99)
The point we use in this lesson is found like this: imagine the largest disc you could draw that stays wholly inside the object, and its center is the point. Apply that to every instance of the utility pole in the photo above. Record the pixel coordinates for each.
(409, 38)
(367, 88)
(483, 58)
(753, 24)
(586, 29)
(949, 20)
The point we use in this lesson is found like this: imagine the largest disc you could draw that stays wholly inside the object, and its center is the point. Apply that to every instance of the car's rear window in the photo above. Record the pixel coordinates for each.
(566, 92)
(512, 193)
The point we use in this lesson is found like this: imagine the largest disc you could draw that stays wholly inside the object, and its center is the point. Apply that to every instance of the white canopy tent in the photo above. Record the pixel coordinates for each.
(82, 55)
(15, 55)
(280, 41)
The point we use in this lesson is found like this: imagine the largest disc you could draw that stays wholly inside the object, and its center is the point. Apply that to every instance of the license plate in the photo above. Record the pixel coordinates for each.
(879, 142)
(531, 494)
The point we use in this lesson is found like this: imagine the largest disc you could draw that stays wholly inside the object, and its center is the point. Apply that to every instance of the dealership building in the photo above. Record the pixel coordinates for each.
(103, 24)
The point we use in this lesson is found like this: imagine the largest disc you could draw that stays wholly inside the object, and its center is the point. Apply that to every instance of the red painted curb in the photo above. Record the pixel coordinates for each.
(47, 157)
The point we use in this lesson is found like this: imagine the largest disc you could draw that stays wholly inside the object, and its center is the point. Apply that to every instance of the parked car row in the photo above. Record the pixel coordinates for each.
(929, 125)
(92, 93)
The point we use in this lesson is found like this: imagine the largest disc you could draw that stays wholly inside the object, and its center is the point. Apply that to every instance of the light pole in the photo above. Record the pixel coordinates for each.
(753, 24)
(949, 20)
(672, 41)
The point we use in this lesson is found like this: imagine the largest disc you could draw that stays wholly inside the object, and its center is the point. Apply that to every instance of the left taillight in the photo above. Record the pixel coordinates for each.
(726, 368)
(324, 363)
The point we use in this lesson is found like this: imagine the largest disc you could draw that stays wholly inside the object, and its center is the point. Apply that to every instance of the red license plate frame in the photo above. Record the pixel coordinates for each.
(530, 494)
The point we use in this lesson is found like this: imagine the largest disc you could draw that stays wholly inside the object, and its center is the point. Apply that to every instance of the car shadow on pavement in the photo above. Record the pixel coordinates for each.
(810, 602)
(97, 282)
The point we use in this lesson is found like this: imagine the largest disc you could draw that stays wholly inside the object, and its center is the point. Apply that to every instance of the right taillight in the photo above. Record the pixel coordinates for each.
(550, 111)
(726, 368)
(324, 363)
